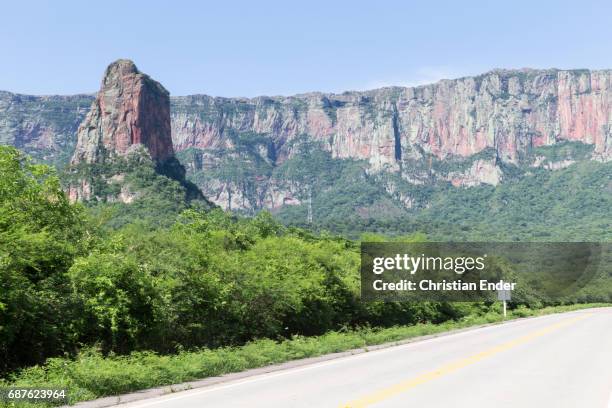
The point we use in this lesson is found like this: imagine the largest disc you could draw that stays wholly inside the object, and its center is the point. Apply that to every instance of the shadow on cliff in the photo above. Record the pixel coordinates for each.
(174, 170)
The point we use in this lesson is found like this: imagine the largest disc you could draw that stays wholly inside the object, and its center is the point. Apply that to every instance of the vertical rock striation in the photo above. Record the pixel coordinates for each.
(129, 117)
(488, 120)
(508, 110)
(130, 110)
(42, 126)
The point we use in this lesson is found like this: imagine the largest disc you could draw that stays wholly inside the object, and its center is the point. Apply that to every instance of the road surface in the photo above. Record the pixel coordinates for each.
(562, 360)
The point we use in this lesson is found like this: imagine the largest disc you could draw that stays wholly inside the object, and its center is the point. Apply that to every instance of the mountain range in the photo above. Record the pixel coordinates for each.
(373, 158)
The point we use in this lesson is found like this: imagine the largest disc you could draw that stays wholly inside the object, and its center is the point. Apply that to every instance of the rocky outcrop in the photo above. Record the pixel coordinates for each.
(42, 126)
(480, 172)
(127, 129)
(80, 190)
(130, 110)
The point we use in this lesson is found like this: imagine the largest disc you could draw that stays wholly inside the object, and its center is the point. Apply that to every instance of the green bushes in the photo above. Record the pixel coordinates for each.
(119, 295)
(40, 234)
(208, 280)
(211, 280)
(72, 279)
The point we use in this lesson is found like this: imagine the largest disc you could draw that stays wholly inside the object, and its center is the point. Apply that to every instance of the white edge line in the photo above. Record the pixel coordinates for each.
(265, 376)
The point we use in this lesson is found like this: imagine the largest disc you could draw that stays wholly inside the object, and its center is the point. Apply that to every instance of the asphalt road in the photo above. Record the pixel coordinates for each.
(555, 361)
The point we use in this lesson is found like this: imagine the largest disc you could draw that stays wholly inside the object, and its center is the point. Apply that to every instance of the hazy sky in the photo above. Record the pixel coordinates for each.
(231, 48)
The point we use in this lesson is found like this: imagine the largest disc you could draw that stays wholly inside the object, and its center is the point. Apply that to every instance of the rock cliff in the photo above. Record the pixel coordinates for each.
(125, 135)
(510, 111)
(462, 131)
(504, 113)
(130, 110)
(42, 126)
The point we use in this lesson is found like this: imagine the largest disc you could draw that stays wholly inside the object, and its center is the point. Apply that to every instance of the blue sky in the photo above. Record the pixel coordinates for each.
(253, 48)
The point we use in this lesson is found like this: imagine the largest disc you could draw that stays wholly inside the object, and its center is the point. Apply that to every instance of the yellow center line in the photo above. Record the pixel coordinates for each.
(404, 386)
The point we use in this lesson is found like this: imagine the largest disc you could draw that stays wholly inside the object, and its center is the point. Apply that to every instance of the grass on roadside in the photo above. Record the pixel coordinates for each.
(91, 375)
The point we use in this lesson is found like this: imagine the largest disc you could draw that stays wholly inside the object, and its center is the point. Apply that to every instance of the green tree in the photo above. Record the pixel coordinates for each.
(40, 233)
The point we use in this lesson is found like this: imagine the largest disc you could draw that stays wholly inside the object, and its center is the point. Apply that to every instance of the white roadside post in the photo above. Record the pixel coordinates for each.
(504, 296)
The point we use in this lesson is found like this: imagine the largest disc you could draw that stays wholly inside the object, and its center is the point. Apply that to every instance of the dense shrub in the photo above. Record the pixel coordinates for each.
(40, 234)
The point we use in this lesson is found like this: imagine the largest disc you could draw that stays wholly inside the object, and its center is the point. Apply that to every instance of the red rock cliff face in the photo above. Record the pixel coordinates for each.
(502, 114)
(130, 110)
(508, 110)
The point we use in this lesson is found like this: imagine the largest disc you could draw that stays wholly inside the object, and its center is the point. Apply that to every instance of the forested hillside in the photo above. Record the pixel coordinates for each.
(532, 204)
